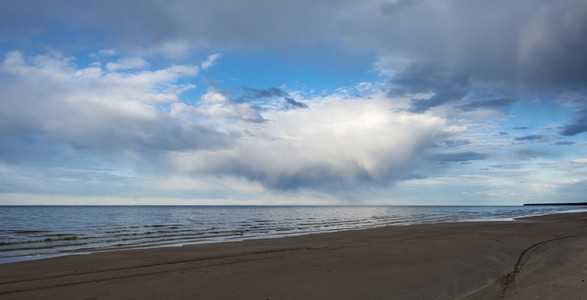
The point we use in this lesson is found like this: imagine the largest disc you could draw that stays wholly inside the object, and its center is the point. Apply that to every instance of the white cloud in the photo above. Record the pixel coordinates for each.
(108, 52)
(572, 100)
(128, 63)
(104, 53)
(335, 141)
(209, 61)
(175, 49)
(90, 106)
(214, 104)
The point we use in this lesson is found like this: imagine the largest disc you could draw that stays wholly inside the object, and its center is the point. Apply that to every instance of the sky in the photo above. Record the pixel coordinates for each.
(271, 102)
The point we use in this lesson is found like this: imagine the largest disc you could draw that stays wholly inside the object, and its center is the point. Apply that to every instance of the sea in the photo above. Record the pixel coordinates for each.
(36, 232)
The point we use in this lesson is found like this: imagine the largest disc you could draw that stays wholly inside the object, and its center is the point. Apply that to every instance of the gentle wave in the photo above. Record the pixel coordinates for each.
(37, 232)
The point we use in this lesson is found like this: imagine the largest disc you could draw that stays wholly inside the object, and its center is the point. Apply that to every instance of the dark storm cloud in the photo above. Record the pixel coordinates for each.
(419, 78)
(446, 87)
(294, 104)
(520, 128)
(536, 44)
(577, 127)
(457, 157)
(564, 143)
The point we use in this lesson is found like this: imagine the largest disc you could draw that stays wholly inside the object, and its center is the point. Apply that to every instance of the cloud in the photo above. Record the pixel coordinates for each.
(254, 94)
(94, 108)
(532, 138)
(272, 92)
(493, 103)
(215, 104)
(577, 127)
(572, 191)
(440, 55)
(395, 6)
(430, 86)
(108, 52)
(456, 143)
(133, 119)
(529, 153)
(513, 47)
(127, 63)
(533, 44)
(457, 157)
(294, 104)
(333, 144)
(422, 79)
(209, 61)
(508, 166)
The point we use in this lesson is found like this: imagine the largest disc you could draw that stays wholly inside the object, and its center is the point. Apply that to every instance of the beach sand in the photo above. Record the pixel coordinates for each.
(534, 258)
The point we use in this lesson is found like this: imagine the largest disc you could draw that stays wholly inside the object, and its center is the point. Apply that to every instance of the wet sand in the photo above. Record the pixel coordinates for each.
(534, 258)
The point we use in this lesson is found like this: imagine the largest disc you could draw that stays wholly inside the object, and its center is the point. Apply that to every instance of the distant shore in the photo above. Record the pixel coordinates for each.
(536, 257)
(557, 204)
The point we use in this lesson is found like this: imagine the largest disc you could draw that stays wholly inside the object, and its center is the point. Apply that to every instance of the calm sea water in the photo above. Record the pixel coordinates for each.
(32, 232)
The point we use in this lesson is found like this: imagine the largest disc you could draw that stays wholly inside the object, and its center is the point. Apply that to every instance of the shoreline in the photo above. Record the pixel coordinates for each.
(475, 260)
(86, 251)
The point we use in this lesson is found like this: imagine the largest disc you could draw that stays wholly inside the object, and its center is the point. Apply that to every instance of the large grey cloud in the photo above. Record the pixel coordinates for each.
(333, 144)
(521, 44)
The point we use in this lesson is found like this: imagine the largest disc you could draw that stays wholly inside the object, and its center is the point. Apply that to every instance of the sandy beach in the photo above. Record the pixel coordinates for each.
(533, 258)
